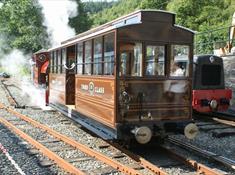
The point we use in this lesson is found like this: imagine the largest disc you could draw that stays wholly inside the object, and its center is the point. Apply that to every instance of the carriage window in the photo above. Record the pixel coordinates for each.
(136, 64)
(51, 63)
(59, 61)
(55, 62)
(63, 59)
(125, 62)
(79, 58)
(179, 60)
(109, 54)
(97, 63)
(88, 57)
(130, 59)
(155, 60)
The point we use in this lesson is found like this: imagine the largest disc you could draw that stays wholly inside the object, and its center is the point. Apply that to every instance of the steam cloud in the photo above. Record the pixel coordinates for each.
(57, 13)
(15, 62)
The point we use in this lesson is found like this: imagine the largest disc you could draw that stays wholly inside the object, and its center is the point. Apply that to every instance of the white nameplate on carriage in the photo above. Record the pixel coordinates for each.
(92, 88)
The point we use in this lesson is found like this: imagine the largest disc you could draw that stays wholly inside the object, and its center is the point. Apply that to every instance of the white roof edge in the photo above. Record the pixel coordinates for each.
(192, 31)
(153, 10)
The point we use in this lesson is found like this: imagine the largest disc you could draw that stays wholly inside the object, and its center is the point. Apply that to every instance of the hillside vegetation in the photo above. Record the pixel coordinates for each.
(21, 22)
(197, 15)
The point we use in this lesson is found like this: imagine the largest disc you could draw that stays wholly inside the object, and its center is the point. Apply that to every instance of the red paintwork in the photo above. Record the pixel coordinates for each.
(217, 94)
(44, 67)
(38, 68)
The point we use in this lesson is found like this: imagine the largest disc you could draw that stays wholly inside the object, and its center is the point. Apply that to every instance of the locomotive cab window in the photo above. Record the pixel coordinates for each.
(179, 60)
(130, 59)
(211, 75)
(155, 60)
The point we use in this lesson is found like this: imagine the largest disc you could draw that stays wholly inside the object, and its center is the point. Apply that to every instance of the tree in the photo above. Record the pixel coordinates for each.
(201, 16)
(154, 4)
(21, 24)
(120, 8)
(81, 22)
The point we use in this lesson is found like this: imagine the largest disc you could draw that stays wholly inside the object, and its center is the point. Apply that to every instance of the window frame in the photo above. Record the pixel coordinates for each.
(101, 62)
(112, 62)
(145, 58)
(189, 61)
(63, 59)
(91, 55)
(55, 61)
(51, 62)
(130, 61)
(82, 62)
(59, 60)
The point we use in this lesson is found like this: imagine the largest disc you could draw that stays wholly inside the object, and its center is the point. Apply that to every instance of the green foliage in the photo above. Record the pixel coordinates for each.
(121, 8)
(201, 15)
(21, 25)
(154, 4)
(81, 22)
(21, 22)
(92, 7)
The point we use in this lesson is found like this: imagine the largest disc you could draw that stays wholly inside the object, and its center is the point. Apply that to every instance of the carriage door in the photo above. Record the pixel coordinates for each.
(70, 76)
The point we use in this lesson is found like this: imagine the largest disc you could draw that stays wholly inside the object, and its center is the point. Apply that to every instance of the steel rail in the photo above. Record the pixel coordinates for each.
(218, 158)
(200, 168)
(141, 160)
(107, 160)
(11, 100)
(59, 161)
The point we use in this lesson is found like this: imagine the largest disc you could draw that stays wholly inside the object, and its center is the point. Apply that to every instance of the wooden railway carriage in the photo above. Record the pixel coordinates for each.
(124, 84)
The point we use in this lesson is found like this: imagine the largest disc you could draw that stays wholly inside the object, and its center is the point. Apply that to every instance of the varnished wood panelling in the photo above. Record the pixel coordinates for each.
(95, 98)
(154, 99)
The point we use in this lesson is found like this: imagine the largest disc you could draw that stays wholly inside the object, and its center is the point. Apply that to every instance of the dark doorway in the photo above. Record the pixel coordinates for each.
(70, 75)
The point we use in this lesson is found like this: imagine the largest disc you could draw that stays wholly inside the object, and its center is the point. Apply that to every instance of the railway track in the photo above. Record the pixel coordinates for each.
(204, 153)
(18, 123)
(139, 164)
(10, 98)
(227, 116)
(177, 159)
(218, 126)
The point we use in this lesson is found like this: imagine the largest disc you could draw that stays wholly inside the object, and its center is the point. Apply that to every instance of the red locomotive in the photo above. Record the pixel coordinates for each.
(209, 92)
(40, 65)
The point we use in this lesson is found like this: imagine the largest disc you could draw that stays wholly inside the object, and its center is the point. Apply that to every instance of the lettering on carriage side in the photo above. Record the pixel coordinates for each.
(84, 87)
(92, 89)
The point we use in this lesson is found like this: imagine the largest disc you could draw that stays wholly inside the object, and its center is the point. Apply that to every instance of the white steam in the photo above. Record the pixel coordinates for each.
(57, 13)
(15, 63)
(37, 95)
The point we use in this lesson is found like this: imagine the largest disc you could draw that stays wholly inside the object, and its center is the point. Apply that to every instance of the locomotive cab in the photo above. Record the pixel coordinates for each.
(209, 92)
